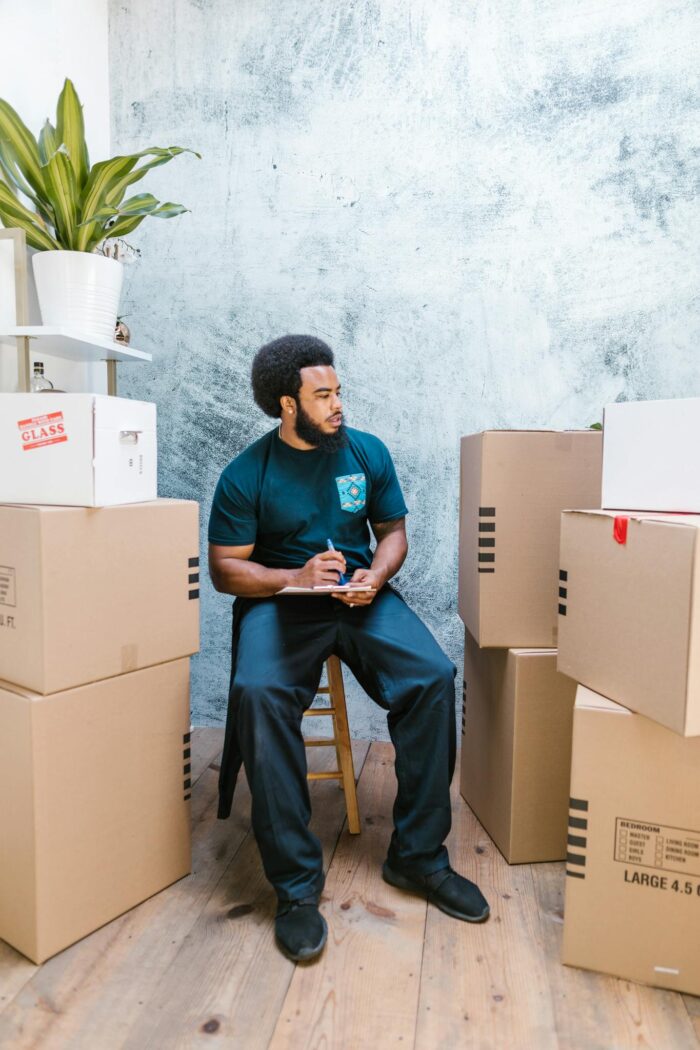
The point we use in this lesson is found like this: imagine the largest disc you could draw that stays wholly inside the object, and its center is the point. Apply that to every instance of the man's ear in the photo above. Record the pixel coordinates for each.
(288, 404)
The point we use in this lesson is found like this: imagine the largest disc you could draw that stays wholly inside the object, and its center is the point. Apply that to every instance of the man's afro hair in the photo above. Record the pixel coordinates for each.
(276, 368)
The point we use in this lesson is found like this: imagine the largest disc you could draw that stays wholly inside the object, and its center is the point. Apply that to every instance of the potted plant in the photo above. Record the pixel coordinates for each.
(72, 209)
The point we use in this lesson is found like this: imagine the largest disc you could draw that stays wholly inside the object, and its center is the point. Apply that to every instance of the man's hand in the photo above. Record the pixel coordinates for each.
(357, 598)
(320, 570)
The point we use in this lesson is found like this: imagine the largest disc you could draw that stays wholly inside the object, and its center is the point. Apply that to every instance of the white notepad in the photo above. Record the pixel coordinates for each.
(327, 588)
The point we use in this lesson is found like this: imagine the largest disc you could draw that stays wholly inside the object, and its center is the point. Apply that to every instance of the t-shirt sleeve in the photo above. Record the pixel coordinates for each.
(233, 520)
(386, 501)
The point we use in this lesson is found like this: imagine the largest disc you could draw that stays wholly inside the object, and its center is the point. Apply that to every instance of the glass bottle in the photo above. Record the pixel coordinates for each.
(39, 382)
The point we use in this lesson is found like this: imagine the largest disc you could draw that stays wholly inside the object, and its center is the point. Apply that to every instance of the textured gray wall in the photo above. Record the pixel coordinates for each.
(486, 208)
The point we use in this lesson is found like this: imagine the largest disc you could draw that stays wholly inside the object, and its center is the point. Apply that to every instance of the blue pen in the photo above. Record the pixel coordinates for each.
(341, 576)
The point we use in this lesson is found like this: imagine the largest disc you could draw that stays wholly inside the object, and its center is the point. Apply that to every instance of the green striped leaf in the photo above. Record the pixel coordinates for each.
(141, 204)
(13, 213)
(70, 129)
(169, 210)
(48, 142)
(121, 228)
(15, 181)
(62, 192)
(107, 184)
(17, 136)
(102, 176)
(11, 173)
(162, 157)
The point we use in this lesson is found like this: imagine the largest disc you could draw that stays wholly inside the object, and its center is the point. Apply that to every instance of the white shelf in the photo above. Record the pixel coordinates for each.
(75, 346)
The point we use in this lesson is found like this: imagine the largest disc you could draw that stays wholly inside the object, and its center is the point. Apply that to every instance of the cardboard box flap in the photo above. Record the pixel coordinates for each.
(35, 508)
(18, 690)
(586, 699)
(643, 517)
(532, 651)
(537, 430)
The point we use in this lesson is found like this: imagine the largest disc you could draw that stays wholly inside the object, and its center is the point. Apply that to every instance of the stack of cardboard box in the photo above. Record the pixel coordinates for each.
(517, 714)
(629, 632)
(99, 588)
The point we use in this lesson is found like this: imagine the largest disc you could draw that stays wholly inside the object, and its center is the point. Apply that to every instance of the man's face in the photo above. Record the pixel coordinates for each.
(319, 419)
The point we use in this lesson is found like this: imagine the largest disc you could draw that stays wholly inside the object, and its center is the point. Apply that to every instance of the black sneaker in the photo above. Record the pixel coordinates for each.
(447, 890)
(300, 929)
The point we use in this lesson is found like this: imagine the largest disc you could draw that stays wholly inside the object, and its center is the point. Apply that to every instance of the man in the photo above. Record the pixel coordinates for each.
(275, 508)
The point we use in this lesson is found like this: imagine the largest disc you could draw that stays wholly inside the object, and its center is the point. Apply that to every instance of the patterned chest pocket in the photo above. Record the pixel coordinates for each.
(352, 489)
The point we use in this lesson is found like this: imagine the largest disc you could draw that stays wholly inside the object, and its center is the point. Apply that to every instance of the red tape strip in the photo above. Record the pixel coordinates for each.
(620, 530)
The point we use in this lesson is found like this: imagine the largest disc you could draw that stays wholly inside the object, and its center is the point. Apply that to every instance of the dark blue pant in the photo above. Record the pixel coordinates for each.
(279, 648)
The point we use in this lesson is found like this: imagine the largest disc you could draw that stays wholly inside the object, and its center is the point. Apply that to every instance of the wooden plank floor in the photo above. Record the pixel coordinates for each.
(196, 965)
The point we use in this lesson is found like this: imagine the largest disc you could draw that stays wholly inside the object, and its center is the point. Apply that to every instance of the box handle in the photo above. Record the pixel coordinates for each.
(130, 437)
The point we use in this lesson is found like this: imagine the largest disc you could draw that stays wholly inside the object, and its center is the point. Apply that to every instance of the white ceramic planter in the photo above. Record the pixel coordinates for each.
(79, 290)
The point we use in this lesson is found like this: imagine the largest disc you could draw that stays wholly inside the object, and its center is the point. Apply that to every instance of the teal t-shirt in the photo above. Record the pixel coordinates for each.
(288, 501)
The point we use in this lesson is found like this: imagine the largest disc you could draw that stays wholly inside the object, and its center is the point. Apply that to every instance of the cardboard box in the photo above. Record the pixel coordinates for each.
(629, 611)
(516, 749)
(83, 450)
(514, 485)
(633, 892)
(96, 814)
(650, 455)
(86, 594)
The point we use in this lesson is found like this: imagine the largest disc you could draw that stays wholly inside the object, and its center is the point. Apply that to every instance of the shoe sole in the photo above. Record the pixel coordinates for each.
(402, 883)
(306, 953)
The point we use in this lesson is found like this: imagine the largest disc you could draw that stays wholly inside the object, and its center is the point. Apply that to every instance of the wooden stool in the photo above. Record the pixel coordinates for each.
(345, 772)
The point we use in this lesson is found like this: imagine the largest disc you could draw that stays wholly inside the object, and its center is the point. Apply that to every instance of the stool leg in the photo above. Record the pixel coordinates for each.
(341, 733)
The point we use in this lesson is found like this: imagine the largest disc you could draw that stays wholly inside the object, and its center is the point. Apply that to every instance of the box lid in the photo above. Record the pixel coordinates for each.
(533, 430)
(655, 517)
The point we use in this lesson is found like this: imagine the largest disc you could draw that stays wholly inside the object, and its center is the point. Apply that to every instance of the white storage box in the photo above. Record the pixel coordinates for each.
(80, 450)
(651, 456)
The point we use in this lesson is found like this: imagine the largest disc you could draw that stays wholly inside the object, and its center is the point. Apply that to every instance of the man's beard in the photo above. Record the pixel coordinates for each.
(306, 430)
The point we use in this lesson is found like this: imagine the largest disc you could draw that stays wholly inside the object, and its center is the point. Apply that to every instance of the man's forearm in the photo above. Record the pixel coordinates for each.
(389, 555)
(248, 579)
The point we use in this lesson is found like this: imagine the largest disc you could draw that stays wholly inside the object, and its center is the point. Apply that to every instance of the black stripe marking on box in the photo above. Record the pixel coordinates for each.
(562, 592)
(563, 575)
(487, 526)
(577, 840)
(578, 803)
(186, 738)
(562, 610)
(575, 874)
(576, 858)
(186, 798)
(193, 577)
(192, 595)
(578, 822)
(187, 769)
(187, 784)
(186, 753)
(193, 563)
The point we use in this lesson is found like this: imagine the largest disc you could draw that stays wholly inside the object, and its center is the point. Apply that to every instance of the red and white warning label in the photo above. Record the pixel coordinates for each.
(38, 431)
